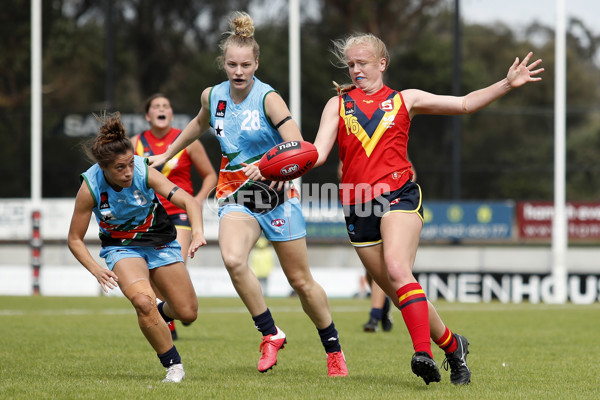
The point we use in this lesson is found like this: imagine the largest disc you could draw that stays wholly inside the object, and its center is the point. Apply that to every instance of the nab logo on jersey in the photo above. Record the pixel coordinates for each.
(349, 107)
(221, 107)
(103, 201)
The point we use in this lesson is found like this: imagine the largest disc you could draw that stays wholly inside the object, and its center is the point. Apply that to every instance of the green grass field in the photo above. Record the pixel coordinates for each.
(91, 348)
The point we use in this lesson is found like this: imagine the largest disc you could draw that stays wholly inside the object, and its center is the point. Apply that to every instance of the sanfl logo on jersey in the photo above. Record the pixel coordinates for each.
(387, 105)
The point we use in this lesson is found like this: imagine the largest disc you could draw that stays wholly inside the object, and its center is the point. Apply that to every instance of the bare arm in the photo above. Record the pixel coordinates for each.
(328, 128)
(205, 169)
(181, 199)
(80, 222)
(277, 111)
(191, 132)
(421, 102)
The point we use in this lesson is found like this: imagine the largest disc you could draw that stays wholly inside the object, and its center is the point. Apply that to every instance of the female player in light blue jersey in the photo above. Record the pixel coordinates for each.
(249, 117)
(138, 238)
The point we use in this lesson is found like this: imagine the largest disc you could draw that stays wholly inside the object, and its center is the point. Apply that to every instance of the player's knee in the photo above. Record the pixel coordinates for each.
(233, 261)
(142, 297)
(188, 314)
(143, 304)
(301, 285)
(400, 273)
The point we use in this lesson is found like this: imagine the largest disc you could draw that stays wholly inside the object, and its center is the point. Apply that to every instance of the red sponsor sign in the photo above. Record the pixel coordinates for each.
(534, 219)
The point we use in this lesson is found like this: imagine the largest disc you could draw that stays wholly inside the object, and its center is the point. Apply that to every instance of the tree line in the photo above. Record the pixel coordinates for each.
(171, 47)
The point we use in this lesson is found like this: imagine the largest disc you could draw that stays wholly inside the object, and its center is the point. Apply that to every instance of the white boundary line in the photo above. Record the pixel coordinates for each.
(446, 307)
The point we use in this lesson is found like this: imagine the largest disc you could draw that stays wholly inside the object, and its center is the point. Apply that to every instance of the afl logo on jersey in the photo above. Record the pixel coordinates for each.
(349, 107)
(221, 107)
(278, 222)
(387, 105)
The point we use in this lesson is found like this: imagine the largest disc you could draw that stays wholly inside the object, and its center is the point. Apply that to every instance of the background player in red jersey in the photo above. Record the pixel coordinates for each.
(382, 205)
(161, 134)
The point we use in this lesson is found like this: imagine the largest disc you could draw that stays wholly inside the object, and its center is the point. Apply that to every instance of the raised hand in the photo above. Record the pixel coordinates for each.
(521, 73)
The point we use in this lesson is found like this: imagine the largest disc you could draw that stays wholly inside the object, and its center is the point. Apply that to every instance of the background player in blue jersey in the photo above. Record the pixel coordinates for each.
(138, 238)
(249, 118)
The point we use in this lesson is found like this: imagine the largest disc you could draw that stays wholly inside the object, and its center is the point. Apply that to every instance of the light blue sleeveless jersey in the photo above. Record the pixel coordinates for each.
(132, 216)
(243, 130)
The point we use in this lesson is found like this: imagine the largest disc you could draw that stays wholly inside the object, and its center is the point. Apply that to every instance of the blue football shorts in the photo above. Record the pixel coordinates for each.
(283, 223)
(155, 257)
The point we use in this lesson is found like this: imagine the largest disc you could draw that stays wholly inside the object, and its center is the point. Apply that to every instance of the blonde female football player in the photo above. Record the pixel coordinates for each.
(249, 117)
(383, 206)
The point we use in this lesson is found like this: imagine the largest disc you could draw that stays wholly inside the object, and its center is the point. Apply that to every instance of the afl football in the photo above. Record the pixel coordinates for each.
(288, 160)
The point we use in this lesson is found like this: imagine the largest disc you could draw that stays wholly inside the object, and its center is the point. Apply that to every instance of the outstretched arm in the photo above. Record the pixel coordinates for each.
(182, 199)
(328, 128)
(80, 221)
(519, 73)
(192, 131)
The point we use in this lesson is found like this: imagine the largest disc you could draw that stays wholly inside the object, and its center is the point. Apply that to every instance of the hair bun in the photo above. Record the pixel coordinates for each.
(242, 25)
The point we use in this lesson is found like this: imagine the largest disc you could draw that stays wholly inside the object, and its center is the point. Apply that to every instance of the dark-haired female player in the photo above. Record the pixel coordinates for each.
(138, 238)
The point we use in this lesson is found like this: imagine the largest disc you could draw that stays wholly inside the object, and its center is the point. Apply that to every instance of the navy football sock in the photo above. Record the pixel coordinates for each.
(377, 313)
(330, 339)
(162, 313)
(169, 358)
(265, 324)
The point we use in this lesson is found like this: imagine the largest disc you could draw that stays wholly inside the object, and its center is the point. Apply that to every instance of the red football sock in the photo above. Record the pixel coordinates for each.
(413, 305)
(447, 342)
(171, 325)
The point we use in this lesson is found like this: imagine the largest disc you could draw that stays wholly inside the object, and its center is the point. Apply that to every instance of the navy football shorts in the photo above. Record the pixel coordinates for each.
(363, 221)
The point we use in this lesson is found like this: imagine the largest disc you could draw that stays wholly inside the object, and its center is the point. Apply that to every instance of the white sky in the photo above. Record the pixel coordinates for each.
(515, 13)
(519, 13)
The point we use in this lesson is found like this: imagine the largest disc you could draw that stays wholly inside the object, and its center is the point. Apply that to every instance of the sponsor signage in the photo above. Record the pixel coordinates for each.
(467, 220)
(535, 220)
(507, 288)
(443, 221)
(324, 222)
(82, 125)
